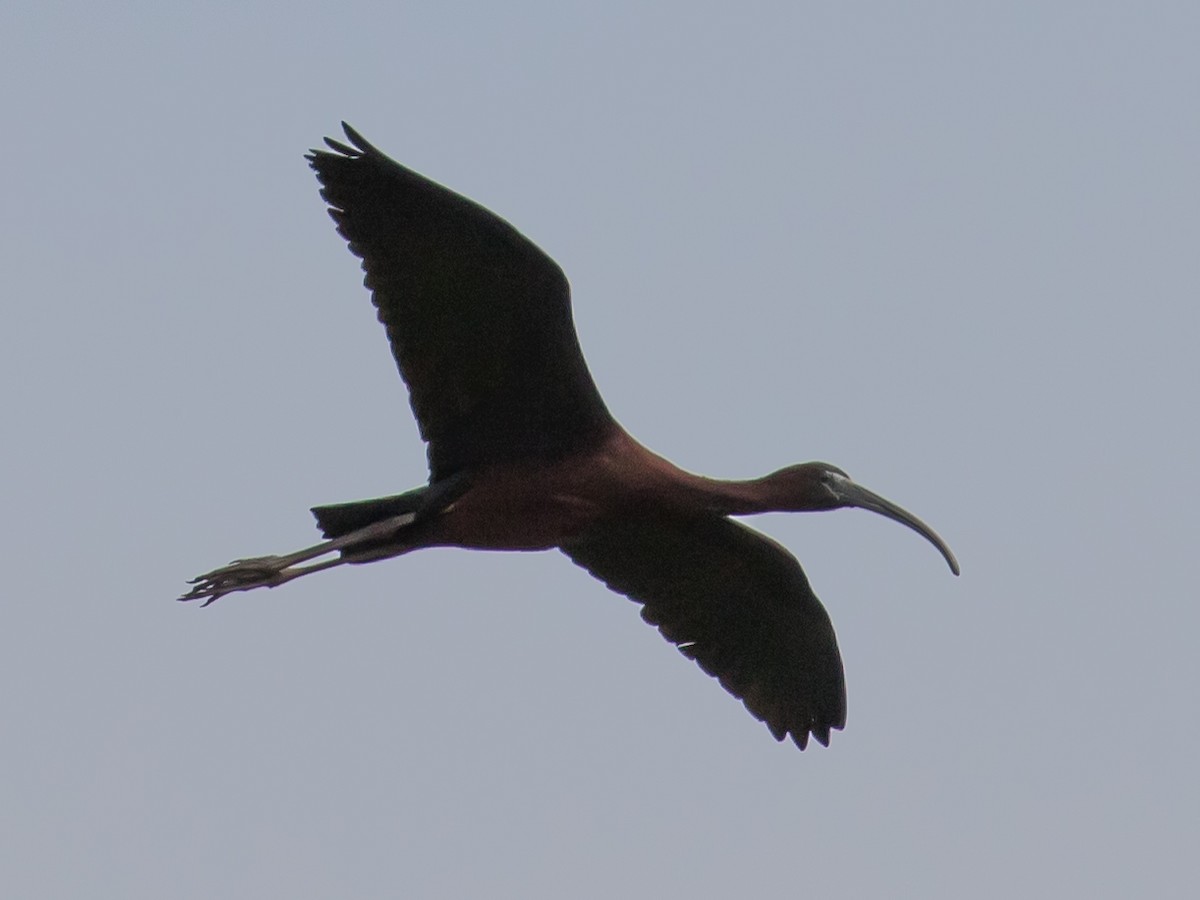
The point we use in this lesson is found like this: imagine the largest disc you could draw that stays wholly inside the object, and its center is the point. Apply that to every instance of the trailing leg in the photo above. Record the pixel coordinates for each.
(272, 571)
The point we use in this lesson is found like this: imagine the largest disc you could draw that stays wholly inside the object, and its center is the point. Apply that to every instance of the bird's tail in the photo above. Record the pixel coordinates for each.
(343, 518)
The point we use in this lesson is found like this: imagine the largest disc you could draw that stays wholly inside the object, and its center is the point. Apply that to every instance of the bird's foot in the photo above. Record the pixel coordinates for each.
(239, 575)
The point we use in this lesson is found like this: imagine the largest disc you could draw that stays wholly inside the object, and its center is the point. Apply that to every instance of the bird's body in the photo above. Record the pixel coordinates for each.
(549, 504)
(524, 455)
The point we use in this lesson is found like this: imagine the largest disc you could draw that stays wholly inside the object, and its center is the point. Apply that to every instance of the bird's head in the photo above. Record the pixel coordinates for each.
(807, 487)
(816, 486)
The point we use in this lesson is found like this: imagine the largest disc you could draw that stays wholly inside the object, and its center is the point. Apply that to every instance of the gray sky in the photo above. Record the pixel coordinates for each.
(949, 247)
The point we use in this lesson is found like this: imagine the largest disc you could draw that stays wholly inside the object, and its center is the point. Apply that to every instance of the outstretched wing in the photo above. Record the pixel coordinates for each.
(479, 319)
(738, 604)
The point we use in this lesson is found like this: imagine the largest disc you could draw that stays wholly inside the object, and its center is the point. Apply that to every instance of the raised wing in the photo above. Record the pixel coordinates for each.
(735, 602)
(479, 319)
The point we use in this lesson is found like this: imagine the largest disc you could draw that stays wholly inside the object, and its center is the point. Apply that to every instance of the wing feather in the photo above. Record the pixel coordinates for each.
(478, 318)
(734, 601)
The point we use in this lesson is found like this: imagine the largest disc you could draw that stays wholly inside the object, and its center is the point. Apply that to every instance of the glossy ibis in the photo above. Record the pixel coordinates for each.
(523, 455)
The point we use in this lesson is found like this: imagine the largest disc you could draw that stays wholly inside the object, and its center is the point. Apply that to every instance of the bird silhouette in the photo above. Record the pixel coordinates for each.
(524, 455)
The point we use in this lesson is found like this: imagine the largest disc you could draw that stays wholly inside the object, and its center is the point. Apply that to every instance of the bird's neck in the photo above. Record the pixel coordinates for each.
(647, 474)
(732, 497)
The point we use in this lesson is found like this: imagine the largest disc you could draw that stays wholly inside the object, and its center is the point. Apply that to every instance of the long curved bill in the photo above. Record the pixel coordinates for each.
(856, 495)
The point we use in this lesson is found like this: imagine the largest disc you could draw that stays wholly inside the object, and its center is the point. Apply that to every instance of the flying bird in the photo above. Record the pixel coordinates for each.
(524, 455)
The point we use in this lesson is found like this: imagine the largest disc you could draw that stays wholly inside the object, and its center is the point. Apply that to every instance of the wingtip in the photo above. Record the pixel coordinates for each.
(821, 732)
(357, 139)
(358, 146)
(339, 147)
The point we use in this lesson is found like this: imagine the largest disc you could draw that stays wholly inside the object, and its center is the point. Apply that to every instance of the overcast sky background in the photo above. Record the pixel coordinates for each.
(953, 248)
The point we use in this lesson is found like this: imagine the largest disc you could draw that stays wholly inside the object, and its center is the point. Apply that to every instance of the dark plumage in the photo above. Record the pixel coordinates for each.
(523, 455)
